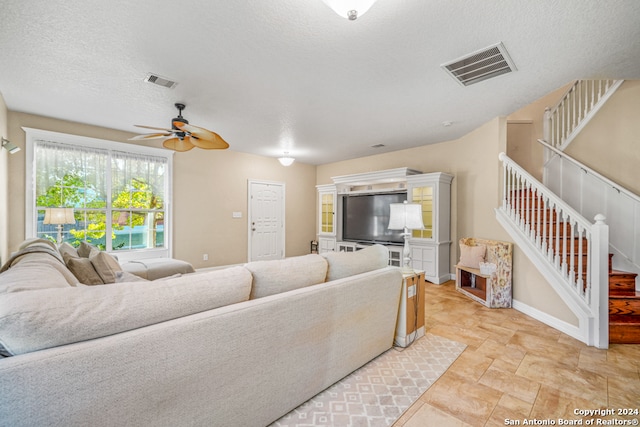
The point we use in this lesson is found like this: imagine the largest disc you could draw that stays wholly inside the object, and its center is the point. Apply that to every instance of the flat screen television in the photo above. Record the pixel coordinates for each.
(365, 218)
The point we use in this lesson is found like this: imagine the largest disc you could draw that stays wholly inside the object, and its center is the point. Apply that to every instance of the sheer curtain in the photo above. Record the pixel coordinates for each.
(119, 197)
(138, 200)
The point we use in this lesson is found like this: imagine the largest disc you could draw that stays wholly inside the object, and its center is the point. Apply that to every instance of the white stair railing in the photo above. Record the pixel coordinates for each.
(570, 252)
(567, 118)
(589, 193)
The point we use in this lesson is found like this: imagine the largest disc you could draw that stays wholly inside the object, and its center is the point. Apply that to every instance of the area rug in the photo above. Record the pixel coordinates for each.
(378, 393)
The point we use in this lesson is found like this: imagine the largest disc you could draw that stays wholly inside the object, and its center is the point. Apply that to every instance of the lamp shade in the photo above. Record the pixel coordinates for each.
(350, 9)
(405, 214)
(59, 216)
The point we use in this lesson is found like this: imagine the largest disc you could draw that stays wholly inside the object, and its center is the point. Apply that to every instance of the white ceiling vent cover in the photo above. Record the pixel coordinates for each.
(480, 65)
(160, 81)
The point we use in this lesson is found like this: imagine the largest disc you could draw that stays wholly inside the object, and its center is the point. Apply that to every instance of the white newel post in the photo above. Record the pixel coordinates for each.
(505, 186)
(600, 280)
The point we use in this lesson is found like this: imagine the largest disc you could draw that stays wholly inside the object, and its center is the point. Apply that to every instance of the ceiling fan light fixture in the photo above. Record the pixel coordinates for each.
(350, 9)
(286, 160)
(183, 136)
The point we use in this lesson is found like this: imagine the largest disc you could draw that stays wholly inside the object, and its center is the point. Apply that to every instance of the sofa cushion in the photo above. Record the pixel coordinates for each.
(277, 276)
(344, 264)
(32, 254)
(31, 321)
(37, 241)
(84, 271)
(156, 268)
(34, 271)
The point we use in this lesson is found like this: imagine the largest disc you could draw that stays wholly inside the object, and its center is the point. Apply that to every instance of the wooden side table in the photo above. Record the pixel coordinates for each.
(410, 323)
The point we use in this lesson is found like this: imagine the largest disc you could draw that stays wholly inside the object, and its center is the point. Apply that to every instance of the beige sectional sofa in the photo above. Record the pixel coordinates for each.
(240, 346)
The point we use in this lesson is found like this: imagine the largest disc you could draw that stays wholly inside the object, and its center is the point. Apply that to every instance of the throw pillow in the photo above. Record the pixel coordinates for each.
(68, 251)
(84, 271)
(85, 249)
(472, 256)
(106, 266)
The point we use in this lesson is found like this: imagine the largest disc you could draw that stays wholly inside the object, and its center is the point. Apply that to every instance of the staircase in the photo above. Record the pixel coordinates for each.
(624, 300)
(548, 223)
(570, 252)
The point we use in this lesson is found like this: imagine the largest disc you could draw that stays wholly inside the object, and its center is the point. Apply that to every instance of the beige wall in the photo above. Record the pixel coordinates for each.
(524, 130)
(208, 186)
(4, 187)
(610, 142)
(476, 192)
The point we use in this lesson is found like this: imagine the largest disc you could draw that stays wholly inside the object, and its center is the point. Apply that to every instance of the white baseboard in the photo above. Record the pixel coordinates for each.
(560, 325)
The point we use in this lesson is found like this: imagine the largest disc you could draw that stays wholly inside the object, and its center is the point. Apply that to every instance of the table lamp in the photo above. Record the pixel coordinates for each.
(405, 216)
(59, 216)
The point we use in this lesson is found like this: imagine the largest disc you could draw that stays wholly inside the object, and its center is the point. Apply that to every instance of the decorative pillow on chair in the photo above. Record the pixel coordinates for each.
(472, 256)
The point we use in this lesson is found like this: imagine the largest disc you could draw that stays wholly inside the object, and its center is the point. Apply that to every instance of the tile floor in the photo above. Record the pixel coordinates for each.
(519, 371)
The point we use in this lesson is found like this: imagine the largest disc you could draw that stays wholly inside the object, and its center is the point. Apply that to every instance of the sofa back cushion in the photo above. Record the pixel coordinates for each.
(35, 271)
(277, 276)
(344, 264)
(31, 254)
(35, 320)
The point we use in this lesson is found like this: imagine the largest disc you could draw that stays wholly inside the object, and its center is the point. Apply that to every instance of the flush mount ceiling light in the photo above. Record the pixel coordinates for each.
(286, 160)
(350, 9)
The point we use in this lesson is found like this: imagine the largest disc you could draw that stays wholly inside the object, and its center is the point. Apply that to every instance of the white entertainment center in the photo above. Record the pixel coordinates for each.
(429, 247)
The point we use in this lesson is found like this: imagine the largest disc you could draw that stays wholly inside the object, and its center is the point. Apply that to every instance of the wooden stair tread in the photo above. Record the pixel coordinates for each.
(624, 294)
(622, 273)
(623, 319)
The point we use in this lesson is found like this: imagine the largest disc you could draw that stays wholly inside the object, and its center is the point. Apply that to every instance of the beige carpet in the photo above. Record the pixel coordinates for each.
(378, 393)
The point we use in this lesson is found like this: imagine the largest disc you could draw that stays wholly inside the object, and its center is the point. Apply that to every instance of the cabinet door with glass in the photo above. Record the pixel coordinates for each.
(423, 195)
(430, 246)
(433, 192)
(326, 210)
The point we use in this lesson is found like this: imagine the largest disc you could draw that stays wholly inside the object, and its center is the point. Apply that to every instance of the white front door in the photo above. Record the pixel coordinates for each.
(266, 220)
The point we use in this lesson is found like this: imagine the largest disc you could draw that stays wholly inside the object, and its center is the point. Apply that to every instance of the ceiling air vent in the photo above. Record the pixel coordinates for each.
(480, 65)
(160, 81)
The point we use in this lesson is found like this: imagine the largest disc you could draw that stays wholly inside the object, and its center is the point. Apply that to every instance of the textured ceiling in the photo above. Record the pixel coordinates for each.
(290, 75)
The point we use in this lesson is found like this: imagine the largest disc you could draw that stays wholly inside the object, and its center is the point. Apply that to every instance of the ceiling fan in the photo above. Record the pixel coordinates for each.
(183, 137)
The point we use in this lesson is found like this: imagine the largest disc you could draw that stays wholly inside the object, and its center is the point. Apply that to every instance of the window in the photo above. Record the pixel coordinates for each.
(120, 193)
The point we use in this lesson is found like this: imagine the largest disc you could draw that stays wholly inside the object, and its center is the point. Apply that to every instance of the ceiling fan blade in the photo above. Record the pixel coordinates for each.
(210, 144)
(150, 136)
(154, 128)
(178, 144)
(203, 138)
